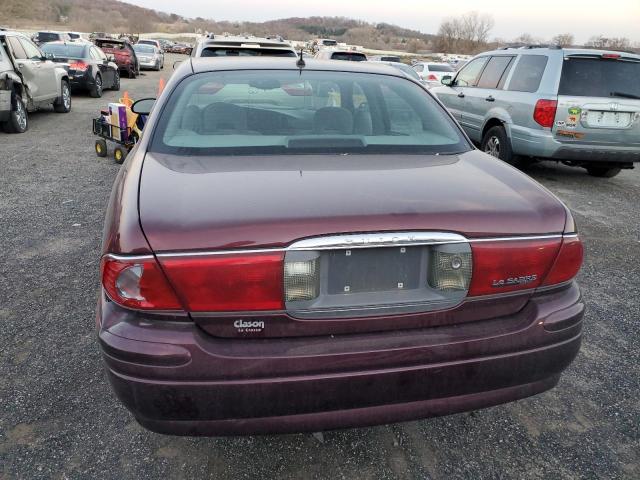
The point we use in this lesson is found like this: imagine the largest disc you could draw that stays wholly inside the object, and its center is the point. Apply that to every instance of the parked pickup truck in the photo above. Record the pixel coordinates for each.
(28, 80)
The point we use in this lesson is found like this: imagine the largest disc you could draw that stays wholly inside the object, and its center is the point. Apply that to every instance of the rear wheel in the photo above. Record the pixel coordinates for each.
(101, 148)
(116, 81)
(96, 90)
(119, 154)
(18, 119)
(603, 172)
(63, 102)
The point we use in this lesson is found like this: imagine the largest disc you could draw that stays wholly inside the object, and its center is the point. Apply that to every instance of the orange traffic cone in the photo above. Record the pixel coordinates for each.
(160, 86)
(126, 100)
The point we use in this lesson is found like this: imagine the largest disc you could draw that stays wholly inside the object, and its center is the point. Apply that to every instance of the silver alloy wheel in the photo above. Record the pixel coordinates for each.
(66, 96)
(493, 147)
(21, 115)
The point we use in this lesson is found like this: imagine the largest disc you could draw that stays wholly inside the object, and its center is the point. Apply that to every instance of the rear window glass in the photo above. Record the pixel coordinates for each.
(329, 43)
(528, 73)
(64, 51)
(594, 77)
(246, 52)
(48, 37)
(440, 68)
(142, 48)
(250, 112)
(351, 57)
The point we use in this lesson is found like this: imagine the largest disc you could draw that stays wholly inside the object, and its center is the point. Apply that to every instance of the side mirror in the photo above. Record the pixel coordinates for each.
(111, 58)
(143, 106)
(49, 56)
(447, 80)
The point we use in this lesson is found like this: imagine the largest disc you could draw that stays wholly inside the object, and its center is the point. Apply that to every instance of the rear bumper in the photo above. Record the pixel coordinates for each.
(150, 64)
(179, 380)
(542, 144)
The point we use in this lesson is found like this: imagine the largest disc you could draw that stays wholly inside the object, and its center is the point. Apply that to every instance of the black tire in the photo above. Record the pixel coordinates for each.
(63, 102)
(96, 90)
(131, 73)
(119, 154)
(18, 117)
(116, 81)
(101, 148)
(496, 143)
(603, 172)
(157, 67)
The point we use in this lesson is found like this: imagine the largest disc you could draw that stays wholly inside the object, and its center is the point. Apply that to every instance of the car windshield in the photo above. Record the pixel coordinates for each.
(64, 51)
(246, 52)
(260, 112)
(440, 68)
(142, 48)
(595, 77)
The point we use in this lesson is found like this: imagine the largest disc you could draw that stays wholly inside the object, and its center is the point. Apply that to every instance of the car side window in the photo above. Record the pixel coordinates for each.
(468, 76)
(30, 49)
(16, 49)
(528, 73)
(494, 72)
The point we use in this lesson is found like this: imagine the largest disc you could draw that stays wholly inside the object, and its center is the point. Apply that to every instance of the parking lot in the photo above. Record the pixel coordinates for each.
(60, 419)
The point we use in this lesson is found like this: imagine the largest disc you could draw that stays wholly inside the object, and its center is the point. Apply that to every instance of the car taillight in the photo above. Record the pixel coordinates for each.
(568, 262)
(228, 282)
(545, 112)
(510, 265)
(138, 283)
(432, 77)
(79, 65)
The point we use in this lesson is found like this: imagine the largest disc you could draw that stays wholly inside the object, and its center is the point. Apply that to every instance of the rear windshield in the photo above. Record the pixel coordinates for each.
(144, 48)
(595, 77)
(246, 52)
(261, 112)
(48, 37)
(64, 51)
(440, 68)
(329, 43)
(351, 57)
(111, 46)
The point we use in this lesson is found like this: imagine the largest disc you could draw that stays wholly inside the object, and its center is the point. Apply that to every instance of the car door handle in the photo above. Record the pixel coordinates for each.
(461, 95)
(490, 99)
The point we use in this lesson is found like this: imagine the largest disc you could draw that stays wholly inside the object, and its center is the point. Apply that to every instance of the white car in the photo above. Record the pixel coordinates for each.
(432, 73)
(149, 56)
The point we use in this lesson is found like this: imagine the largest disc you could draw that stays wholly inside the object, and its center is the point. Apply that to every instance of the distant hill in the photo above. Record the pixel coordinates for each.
(115, 16)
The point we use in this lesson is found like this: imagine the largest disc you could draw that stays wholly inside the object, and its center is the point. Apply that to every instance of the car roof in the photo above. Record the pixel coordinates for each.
(537, 50)
(64, 42)
(239, 41)
(207, 64)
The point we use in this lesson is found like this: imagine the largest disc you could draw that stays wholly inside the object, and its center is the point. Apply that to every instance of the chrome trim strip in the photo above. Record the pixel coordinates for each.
(353, 241)
(125, 258)
(375, 240)
(509, 239)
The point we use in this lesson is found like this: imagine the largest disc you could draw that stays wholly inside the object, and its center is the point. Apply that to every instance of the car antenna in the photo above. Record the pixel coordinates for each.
(300, 63)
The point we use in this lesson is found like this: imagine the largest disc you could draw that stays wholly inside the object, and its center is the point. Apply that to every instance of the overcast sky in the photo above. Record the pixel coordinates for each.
(541, 18)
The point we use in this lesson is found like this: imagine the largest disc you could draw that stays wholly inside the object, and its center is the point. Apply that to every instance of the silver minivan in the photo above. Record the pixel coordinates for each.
(577, 106)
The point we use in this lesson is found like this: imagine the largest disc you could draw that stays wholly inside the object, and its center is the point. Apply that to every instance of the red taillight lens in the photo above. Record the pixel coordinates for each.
(137, 283)
(611, 56)
(79, 65)
(432, 77)
(511, 265)
(545, 112)
(568, 262)
(228, 282)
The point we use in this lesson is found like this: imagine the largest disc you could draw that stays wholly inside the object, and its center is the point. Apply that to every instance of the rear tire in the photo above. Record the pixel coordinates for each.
(96, 90)
(116, 82)
(603, 172)
(18, 118)
(101, 148)
(63, 102)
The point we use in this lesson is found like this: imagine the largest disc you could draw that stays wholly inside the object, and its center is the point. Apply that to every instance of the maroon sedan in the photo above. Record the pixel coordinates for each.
(308, 247)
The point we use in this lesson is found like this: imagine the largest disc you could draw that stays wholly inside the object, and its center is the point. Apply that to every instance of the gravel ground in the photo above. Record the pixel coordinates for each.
(59, 418)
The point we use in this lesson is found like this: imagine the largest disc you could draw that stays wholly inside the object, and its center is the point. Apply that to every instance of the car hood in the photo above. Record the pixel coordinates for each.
(199, 203)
